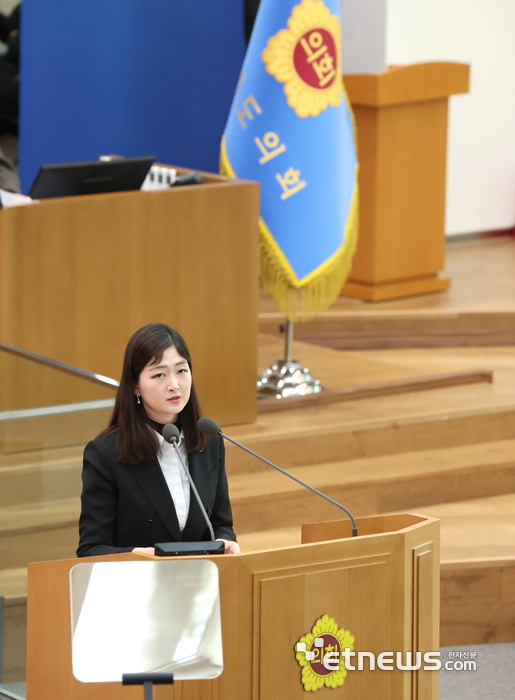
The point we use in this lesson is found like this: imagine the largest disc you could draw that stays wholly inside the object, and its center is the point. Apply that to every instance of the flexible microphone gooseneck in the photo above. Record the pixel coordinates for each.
(171, 434)
(211, 428)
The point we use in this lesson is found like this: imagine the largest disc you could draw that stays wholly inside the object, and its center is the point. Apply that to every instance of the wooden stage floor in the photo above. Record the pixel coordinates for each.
(482, 279)
(478, 309)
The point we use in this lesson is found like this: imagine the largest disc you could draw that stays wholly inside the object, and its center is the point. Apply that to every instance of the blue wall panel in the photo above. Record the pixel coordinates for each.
(133, 77)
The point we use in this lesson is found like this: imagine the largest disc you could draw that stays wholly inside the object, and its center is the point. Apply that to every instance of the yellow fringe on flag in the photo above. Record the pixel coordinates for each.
(301, 299)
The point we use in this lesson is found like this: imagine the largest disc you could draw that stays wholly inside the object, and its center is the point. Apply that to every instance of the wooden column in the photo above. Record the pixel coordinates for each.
(401, 119)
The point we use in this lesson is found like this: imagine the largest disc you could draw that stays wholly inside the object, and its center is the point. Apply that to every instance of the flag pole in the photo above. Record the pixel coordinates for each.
(290, 113)
(289, 341)
(287, 378)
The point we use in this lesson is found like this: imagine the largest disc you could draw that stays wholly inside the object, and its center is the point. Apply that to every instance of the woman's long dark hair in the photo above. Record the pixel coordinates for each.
(136, 441)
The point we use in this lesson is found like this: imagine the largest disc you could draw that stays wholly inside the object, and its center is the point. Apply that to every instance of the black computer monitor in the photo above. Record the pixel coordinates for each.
(92, 177)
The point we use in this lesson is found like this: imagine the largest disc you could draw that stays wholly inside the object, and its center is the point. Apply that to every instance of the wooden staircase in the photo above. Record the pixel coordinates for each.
(373, 485)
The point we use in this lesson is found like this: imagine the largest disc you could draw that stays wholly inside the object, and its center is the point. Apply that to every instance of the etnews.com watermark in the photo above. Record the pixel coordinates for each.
(390, 660)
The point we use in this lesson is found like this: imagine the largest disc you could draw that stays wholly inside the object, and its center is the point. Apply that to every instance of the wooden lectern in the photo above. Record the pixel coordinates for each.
(78, 275)
(401, 122)
(383, 587)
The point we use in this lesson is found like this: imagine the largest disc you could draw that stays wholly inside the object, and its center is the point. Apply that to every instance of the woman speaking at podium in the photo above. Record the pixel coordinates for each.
(135, 490)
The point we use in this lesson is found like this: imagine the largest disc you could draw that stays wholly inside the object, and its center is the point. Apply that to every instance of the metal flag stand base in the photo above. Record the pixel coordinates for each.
(287, 378)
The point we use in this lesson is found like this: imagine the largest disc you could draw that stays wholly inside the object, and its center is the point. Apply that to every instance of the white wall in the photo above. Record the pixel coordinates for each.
(363, 36)
(481, 158)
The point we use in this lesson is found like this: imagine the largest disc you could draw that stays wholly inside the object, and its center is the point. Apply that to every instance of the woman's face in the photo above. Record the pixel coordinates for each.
(165, 387)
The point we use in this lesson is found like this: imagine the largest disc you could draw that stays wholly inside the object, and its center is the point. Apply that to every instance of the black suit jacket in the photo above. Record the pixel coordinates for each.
(126, 505)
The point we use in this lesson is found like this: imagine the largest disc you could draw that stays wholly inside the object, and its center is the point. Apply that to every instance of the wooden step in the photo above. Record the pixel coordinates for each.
(46, 476)
(481, 530)
(367, 428)
(368, 328)
(38, 532)
(48, 432)
(270, 404)
(368, 318)
(370, 428)
(40, 457)
(478, 570)
(478, 309)
(13, 587)
(268, 500)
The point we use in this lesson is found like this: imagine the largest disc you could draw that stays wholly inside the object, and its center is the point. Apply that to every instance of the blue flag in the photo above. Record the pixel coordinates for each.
(291, 128)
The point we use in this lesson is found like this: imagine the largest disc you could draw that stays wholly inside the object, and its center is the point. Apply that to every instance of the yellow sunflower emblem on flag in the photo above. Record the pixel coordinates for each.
(311, 649)
(306, 58)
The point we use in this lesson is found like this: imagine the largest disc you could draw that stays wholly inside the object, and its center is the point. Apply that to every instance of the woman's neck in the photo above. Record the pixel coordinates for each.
(158, 427)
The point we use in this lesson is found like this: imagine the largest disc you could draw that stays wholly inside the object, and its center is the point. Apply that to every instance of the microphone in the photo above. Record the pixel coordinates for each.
(191, 178)
(171, 434)
(211, 428)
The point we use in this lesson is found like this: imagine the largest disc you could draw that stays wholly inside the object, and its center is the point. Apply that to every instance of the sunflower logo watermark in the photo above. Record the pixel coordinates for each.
(311, 649)
(306, 58)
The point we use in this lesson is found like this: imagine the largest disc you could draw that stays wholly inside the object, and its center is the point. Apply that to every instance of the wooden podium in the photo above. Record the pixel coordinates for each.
(78, 275)
(383, 587)
(401, 122)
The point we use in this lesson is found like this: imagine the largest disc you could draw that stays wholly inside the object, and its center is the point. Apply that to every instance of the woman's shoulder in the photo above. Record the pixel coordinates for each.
(213, 442)
(212, 450)
(103, 444)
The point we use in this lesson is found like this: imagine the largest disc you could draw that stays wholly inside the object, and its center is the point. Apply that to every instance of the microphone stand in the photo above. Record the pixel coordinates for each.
(299, 481)
(211, 428)
(147, 680)
(171, 435)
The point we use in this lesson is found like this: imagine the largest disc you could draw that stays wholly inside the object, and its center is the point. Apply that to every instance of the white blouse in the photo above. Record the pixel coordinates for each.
(175, 476)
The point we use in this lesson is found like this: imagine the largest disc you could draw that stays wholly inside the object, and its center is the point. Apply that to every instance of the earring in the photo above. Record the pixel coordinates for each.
(138, 400)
